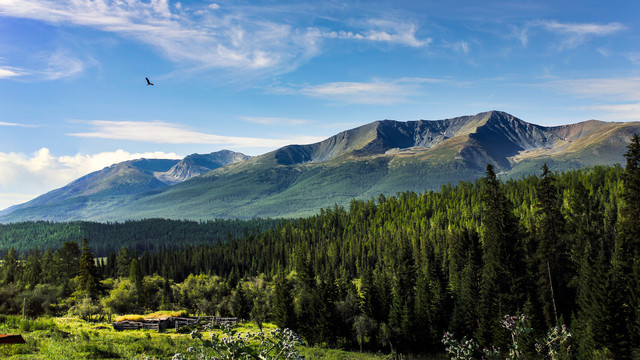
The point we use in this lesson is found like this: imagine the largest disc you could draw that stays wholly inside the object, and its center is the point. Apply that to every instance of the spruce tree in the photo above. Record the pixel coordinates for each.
(10, 266)
(68, 261)
(33, 268)
(123, 262)
(88, 273)
(552, 262)
(503, 288)
(48, 267)
(137, 279)
(465, 308)
(240, 306)
(283, 307)
(627, 252)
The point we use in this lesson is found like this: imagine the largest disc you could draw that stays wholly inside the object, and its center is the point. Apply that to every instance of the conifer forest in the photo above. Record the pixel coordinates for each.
(555, 255)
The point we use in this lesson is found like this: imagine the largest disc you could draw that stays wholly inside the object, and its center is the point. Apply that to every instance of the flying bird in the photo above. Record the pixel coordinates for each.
(148, 82)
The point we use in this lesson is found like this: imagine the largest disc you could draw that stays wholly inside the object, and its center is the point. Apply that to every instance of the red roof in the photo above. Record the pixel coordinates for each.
(11, 339)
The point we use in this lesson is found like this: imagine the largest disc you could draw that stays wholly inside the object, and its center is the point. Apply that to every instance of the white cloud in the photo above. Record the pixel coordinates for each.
(376, 92)
(2, 123)
(61, 65)
(583, 29)
(10, 199)
(461, 47)
(624, 112)
(614, 98)
(613, 89)
(23, 177)
(169, 133)
(400, 32)
(201, 36)
(574, 34)
(210, 39)
(9, 72)
(274, 120)
(50, 66)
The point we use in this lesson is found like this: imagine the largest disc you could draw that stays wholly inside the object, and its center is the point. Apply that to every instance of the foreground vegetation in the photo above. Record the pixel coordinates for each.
(73, 338)
(393, 275)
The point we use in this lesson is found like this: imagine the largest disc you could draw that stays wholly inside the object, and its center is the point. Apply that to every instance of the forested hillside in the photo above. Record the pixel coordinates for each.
(139, 235)
(395, 273)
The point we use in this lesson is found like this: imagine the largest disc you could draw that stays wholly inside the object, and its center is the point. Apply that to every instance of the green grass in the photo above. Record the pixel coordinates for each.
(72, 338)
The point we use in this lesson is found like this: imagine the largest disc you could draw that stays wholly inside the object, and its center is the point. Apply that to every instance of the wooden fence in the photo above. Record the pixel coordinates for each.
(172, 322)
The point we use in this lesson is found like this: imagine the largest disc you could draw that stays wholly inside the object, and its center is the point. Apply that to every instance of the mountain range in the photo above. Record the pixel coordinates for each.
(382, 157)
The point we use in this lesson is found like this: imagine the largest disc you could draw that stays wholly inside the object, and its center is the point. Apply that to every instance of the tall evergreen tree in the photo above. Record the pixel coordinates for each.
(123, 262)
(240, 306)
(10, 266)
(68, 261)
(283, 307)
(137, 279)
(33, 268)
(551, 254)
(503, 288)
(466, 250)
(627, 253)
(89, 281)
(49, 274)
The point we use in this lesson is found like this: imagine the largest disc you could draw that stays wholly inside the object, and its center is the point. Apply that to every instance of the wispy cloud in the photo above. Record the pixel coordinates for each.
(7, 72)
(257, 38)
(461, 47)
(612, 89)
(2, 123)
(169, 133)
(61, 65)
(614, 98)
(48, 66)
(618, 111)
(25, 176)
(574, 34)
(577, 29)
(209, 38)
(396, 32)
(274, 120)
(375, 92)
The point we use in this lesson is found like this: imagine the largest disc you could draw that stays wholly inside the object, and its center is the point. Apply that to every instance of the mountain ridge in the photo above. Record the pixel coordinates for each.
(384, 156)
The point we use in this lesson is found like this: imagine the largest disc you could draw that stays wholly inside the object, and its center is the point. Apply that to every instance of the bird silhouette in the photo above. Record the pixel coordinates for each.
(148, 82)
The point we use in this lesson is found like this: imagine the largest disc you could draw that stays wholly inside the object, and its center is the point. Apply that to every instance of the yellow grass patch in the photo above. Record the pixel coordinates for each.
(155, 315)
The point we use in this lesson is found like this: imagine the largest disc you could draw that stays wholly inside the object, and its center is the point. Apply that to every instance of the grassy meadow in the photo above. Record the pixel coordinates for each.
(73, 338)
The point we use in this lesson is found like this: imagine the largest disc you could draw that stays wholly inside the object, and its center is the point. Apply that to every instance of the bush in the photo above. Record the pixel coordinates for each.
(278, 344)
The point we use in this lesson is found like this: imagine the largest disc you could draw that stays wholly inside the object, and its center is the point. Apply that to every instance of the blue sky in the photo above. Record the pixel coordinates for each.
(252, 76)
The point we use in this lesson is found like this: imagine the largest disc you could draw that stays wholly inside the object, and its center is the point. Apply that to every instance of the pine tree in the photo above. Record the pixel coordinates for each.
(240, 306)
(283, 308)
(123, 262)
(627, 252)
(137, 279)
(49, 274)
(503, 289)
(166, 299)
(465, 309)
(10, 266)
(595, 308)
(553, 264)
(33, 268)
(87, 272)
(68, 261)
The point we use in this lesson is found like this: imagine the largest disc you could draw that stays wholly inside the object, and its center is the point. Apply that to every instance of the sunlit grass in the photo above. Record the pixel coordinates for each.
(154, 315)
(72, 338)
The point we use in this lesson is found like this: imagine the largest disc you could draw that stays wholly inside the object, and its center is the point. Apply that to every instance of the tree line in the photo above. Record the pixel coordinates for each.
(138, 235)
(397, 272)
